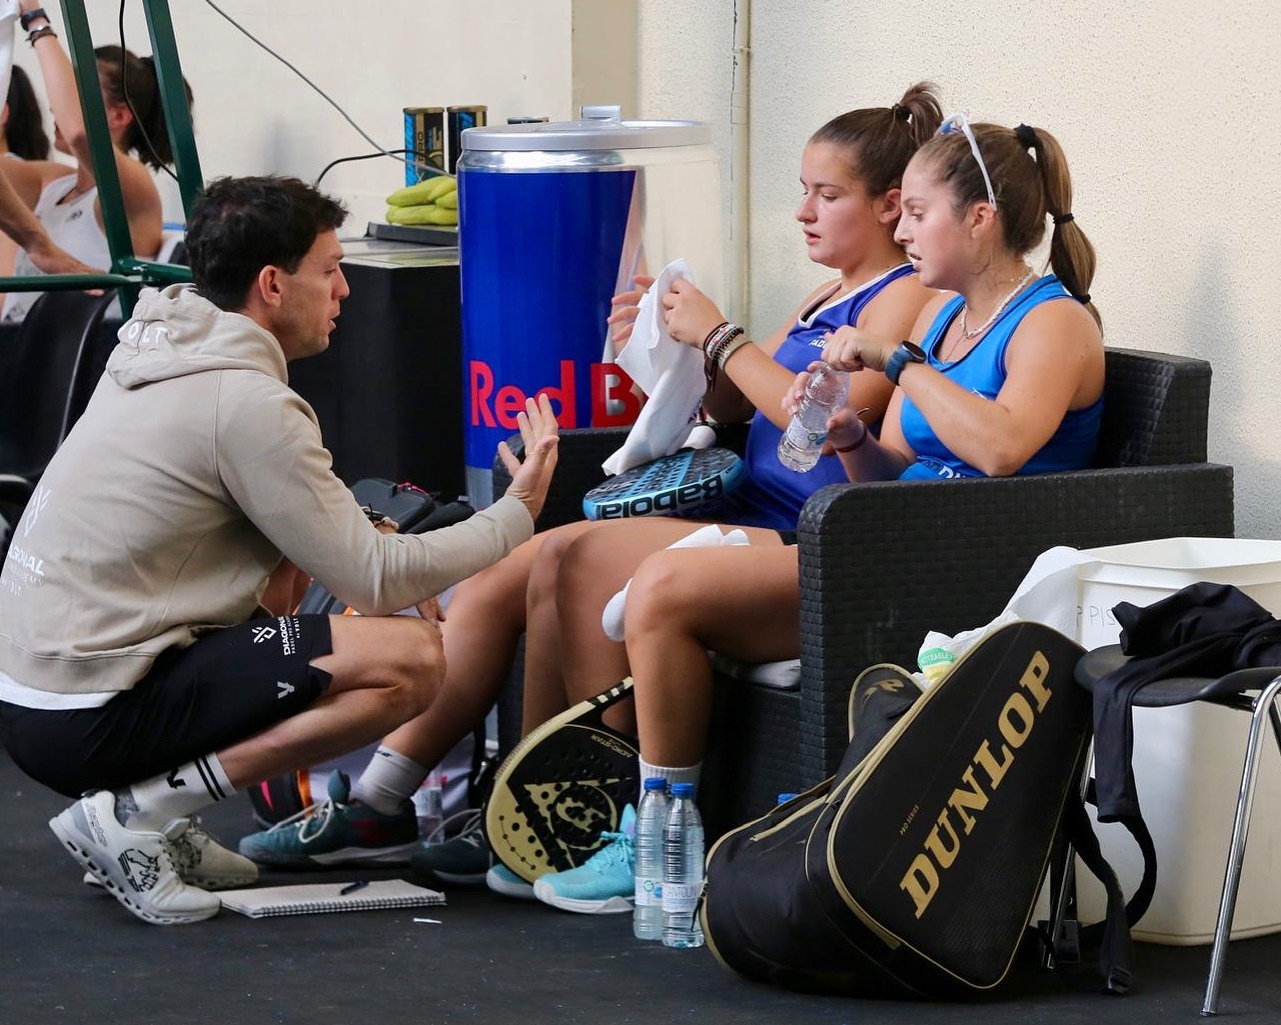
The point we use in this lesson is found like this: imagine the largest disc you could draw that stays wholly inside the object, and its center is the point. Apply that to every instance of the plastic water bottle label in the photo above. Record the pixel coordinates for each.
(649, 893)
(680, 898)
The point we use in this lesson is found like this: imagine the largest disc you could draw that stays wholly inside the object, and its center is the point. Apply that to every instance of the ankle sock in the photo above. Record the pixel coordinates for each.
(153, 803)
(389, 780)
(673, 774)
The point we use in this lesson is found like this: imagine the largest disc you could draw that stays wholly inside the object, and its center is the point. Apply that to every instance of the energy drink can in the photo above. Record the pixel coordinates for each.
(459, 119)
(425, 140)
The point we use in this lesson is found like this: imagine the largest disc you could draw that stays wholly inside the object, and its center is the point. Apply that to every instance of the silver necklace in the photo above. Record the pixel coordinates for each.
(1000, 308)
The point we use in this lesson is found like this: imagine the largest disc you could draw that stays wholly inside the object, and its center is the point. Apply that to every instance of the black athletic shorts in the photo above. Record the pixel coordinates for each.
(224, 688)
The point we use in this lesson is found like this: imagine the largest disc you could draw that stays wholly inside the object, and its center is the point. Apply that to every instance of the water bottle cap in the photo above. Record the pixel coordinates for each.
(656, 783)
(682, 789)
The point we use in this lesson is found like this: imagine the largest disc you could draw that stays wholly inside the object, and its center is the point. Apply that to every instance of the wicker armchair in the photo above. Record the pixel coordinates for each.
(883, 563)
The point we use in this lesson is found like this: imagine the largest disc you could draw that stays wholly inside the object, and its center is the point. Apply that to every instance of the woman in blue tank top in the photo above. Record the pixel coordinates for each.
(1005, 376)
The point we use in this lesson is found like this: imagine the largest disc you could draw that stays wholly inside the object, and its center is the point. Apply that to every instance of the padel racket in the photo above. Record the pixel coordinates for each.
(679, 483)
(561, 786)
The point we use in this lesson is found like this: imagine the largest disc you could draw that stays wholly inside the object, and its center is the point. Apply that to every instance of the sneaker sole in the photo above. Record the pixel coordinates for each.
(517, 891)
(346, 856)
(86, 858)
(610, 906)
(457, 878)
(226, 883)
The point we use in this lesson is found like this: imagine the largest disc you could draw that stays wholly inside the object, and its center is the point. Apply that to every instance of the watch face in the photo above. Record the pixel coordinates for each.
(914, 352)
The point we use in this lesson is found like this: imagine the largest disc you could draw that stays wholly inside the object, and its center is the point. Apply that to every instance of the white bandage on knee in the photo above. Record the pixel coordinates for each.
(709, 536)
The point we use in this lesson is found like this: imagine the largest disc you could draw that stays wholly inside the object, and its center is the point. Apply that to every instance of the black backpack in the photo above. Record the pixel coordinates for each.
(914, 871)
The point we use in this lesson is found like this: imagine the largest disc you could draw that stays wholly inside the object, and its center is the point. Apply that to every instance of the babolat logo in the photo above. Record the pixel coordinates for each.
(681, 497)
(981, 777)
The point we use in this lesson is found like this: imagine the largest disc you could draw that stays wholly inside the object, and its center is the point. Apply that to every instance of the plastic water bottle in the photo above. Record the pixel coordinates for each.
(682, 870)
(802, 442)
(429, 804)
(651, 818)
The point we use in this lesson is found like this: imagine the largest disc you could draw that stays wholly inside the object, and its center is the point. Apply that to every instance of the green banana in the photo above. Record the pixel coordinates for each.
(426, 191)
(421, 214)
(449, 200)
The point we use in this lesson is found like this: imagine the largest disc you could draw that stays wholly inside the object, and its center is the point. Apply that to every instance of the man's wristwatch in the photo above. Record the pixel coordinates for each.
(907, 352)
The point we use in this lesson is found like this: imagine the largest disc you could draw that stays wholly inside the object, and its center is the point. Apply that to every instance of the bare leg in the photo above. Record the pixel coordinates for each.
(743, 602)
(572, 658)
(384, 671)
(482, 625)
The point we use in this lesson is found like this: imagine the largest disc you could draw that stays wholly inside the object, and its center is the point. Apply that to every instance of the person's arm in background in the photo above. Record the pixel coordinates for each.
(20, 224)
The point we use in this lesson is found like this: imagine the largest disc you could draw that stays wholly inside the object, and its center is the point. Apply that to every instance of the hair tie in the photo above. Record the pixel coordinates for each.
(901, 113)
(1084, 300)
(1026, 135)
(1063, 218)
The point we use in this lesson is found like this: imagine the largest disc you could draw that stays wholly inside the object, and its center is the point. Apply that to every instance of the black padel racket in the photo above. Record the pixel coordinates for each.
(561, 786)
(677, 483)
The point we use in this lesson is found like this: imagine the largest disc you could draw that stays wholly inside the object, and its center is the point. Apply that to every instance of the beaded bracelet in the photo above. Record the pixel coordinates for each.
(729, 348)
(711, 335)
(712, 363)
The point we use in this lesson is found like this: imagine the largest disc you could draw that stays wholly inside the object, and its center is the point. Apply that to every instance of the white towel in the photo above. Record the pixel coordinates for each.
(8, 22)
(670, 373)
(709, 536)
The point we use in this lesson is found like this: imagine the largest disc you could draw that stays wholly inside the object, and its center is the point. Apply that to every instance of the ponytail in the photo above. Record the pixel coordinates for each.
(132, 80)
(878, 142)
(1072, 255)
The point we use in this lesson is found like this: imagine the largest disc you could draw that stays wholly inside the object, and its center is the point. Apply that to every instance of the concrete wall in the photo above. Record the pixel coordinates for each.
(1168, 112)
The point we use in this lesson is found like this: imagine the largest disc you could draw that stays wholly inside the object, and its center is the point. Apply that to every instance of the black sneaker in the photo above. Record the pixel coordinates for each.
(463, 860)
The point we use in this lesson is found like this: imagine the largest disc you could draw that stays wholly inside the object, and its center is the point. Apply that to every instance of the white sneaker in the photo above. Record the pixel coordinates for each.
(202, 861)
(134, 866)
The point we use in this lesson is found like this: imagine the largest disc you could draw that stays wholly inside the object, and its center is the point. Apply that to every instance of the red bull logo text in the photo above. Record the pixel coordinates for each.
(613, 403)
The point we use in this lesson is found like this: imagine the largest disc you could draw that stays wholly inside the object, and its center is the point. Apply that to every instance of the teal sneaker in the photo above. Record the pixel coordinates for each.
(605, 884)
(501, 879)
(337, 831)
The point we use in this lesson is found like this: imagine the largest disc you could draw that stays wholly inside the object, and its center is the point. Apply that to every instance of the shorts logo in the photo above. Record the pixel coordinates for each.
(285, 689)
(263, 633)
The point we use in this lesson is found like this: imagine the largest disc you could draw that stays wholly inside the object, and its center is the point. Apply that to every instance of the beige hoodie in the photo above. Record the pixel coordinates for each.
(163, 513)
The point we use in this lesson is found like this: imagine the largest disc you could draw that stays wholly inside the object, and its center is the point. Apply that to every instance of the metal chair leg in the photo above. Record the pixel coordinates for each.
(1263, 708)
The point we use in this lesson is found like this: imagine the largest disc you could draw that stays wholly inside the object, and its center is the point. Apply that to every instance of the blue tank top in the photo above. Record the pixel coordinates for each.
(771, 495)
(982, 371)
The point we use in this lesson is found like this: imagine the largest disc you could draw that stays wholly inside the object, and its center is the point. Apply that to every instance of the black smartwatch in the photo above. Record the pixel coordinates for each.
(27, 17)
(907, 352)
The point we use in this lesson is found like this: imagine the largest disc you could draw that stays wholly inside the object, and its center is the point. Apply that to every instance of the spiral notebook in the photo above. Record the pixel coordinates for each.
(322, 898)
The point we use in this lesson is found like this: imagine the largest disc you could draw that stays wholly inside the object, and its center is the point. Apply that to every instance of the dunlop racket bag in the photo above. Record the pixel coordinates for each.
(913, 872)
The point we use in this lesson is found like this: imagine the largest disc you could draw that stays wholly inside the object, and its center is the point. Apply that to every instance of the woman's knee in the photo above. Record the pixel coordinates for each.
(662, 596)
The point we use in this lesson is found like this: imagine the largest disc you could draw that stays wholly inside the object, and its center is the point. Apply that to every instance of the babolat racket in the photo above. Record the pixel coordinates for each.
(677, 483)
(561, 786)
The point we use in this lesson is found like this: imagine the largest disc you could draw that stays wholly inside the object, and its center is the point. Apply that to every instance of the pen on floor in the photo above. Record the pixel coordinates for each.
(360, 884)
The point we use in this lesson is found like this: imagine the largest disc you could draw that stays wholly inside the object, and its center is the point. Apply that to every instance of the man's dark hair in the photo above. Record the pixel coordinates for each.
(241, 225)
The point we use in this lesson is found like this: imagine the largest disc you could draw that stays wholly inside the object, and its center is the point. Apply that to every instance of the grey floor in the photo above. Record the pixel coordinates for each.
(72, 955)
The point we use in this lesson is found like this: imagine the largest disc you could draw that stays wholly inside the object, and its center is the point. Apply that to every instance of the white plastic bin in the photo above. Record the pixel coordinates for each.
(1187, 759)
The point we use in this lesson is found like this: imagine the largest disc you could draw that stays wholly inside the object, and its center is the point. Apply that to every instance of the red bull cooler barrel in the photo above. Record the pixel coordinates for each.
(554, 220)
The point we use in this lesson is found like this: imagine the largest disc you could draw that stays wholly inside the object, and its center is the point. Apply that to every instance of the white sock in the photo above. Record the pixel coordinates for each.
(709, 536)
(673, 774)
(154, 803)
(389, 780)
